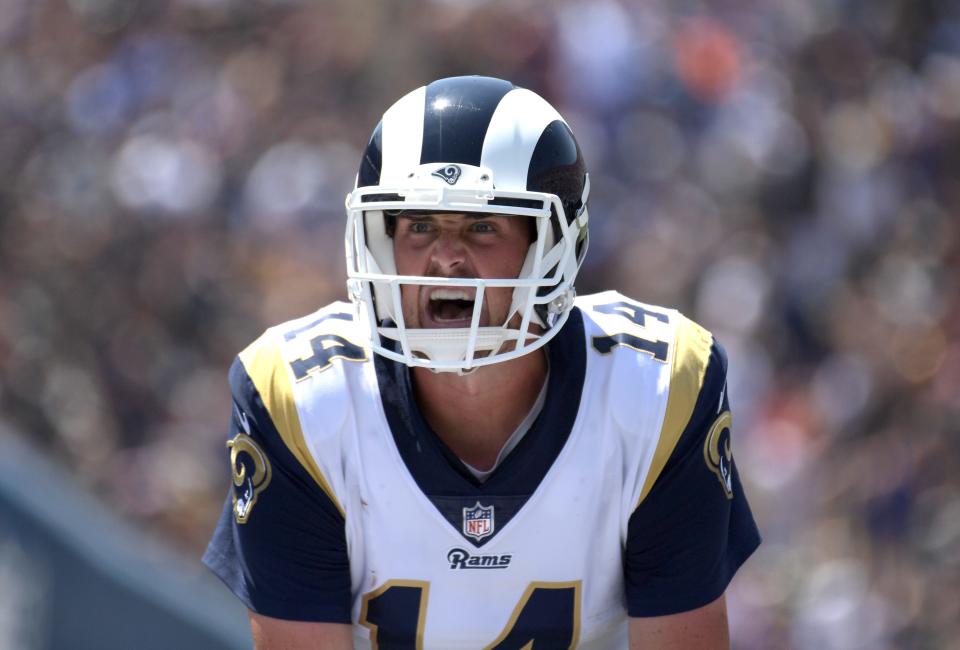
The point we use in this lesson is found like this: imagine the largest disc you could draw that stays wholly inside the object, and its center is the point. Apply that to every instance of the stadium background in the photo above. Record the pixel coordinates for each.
(787, 173)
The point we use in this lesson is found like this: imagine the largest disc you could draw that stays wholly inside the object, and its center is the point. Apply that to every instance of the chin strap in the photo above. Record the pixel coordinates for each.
(445, 345)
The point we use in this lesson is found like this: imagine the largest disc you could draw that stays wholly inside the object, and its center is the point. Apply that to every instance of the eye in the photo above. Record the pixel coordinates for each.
(483, 226)
(419, 227)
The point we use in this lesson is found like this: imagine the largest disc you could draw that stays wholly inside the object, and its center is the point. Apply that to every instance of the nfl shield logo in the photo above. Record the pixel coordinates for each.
(478, 521)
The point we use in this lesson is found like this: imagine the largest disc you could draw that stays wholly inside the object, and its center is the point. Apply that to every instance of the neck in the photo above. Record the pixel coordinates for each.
(475, 414)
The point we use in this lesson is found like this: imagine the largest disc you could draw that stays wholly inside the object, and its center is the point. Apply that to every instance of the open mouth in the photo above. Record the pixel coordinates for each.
(450, 306)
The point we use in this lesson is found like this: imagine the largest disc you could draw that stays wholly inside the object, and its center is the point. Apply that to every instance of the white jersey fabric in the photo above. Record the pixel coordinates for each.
(560, 555)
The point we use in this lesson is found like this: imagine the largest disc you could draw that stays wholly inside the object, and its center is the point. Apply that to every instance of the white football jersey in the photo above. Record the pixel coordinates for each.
(553, 549)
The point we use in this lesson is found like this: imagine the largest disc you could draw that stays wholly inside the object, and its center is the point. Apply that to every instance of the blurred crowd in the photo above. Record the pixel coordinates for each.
(787, 173)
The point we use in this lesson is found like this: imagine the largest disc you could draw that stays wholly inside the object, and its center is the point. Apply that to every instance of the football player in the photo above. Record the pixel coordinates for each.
(467, 454)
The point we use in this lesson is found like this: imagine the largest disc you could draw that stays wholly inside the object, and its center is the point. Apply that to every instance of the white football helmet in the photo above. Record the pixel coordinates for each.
(469, 144)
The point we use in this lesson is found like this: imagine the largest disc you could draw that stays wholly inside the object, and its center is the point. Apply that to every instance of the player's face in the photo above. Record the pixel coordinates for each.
(449, 245)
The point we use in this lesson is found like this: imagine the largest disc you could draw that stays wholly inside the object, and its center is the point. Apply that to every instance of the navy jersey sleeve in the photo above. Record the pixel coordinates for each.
(693, 529)
(279, 544)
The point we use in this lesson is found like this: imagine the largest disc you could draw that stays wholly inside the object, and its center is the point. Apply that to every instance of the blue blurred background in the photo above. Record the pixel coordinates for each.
(787, 173)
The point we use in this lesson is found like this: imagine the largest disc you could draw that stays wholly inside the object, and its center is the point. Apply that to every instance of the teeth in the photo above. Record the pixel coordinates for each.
(450, 294)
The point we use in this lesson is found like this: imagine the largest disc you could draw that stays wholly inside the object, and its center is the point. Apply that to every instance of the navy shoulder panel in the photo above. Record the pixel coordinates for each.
(694, 529)
(280, 544)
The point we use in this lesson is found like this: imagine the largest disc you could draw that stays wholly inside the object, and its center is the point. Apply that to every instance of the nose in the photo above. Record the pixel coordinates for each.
(448, 253)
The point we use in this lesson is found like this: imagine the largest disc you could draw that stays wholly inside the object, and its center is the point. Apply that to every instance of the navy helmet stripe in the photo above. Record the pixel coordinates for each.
(456, 116)
(372, 159)
(556, 159)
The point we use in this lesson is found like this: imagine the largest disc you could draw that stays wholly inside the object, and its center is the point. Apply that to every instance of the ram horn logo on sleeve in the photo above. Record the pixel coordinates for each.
(717, 453)
(251, 474)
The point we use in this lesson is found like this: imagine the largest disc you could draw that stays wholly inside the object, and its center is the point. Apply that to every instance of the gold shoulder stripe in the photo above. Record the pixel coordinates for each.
(691, 353)
(271, 376)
